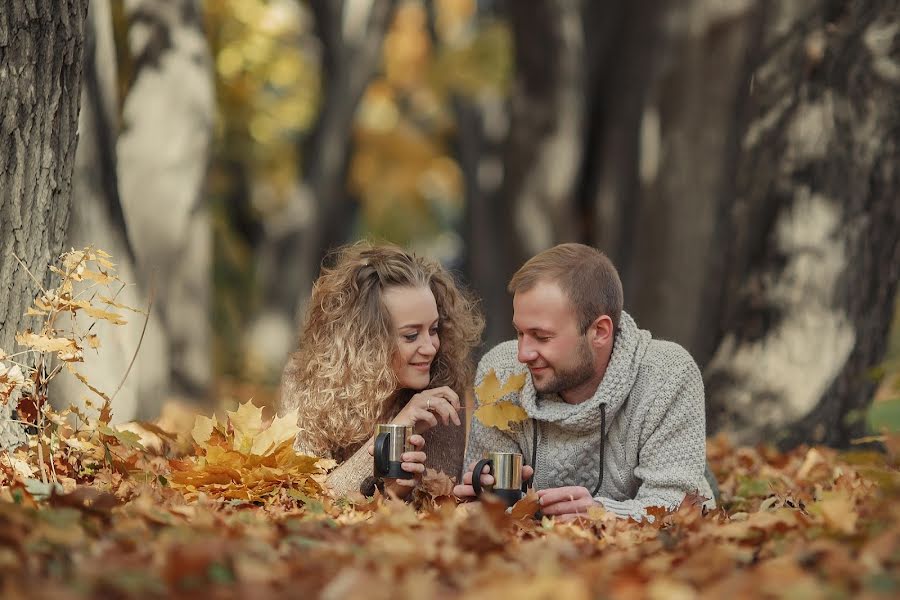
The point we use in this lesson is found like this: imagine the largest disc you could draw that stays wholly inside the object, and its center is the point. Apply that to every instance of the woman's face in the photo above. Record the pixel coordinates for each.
(414, 314)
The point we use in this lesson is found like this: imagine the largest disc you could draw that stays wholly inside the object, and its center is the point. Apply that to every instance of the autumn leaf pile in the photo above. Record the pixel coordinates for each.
(222, 507)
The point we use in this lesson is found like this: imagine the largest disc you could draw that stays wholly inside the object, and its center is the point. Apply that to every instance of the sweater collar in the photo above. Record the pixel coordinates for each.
(629, 347)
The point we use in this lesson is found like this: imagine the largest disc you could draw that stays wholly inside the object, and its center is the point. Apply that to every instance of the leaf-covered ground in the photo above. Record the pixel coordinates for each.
(146, 513)
(223, 507)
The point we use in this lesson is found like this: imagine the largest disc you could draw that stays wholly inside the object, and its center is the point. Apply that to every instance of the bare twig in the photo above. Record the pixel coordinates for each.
(140, 340)
(27, 270)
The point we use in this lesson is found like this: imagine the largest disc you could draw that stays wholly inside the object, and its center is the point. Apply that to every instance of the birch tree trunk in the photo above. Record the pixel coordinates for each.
(351, 33)
(163, 154)
(41, 46)
(97, 219)
(816, 264)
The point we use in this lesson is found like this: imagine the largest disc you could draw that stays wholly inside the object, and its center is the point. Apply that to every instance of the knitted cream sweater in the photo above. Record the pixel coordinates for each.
(655, 437)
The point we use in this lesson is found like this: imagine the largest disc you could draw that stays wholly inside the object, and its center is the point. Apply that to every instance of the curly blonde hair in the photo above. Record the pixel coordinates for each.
(341, 378)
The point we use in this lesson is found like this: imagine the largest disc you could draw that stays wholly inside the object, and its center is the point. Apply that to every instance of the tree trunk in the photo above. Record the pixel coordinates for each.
(163, 155)
(687, 142)
(97, 219)
(521, 171)
(817, 262)
(545, 146)
(482, 125)
(41, 46)
(351, 34)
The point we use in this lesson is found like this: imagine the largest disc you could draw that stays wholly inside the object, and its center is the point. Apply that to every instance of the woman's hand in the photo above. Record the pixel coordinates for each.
(413, 462)
(423, 410)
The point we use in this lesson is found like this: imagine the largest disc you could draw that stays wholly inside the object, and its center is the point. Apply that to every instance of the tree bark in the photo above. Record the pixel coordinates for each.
(544, 147)
(163, 154)
(687, 142)
(351, 34)
(41, 46)
(818, 259)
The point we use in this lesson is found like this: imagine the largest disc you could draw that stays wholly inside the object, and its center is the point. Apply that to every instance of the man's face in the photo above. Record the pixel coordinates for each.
(550, 342)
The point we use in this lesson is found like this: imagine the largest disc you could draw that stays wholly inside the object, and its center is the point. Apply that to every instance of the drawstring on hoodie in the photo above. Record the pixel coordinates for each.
(534, 439)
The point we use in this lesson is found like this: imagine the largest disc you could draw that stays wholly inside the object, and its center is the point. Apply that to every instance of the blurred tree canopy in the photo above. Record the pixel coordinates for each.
(403, 177)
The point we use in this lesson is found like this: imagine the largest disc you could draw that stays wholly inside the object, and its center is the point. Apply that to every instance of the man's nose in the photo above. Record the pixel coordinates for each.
(526, 354)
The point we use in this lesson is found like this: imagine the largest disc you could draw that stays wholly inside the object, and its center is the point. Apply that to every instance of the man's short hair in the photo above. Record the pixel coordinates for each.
(584, 274)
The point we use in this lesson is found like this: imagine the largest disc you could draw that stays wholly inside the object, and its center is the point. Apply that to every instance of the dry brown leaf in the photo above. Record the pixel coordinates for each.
(527, 506)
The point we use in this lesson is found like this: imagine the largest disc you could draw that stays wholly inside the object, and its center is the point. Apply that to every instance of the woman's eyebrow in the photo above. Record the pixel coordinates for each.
(417, 325)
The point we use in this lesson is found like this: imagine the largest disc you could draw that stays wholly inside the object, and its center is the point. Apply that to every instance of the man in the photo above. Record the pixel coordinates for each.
(615, 418)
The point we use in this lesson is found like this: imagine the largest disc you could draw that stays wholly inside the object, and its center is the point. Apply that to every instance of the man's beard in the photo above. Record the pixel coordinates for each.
(573, 377)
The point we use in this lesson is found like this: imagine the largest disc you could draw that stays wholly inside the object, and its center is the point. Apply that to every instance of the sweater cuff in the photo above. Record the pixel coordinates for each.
(624, 509)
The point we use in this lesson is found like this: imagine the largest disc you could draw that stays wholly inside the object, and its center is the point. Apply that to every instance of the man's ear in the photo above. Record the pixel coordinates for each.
(601, 332)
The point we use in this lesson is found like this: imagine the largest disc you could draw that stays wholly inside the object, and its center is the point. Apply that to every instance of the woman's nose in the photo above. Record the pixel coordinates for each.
(427, 348)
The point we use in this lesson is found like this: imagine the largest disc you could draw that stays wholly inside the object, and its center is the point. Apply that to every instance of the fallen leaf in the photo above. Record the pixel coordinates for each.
(202, 430)
(282, 428)
(838, 511)
(527, 506)
(247, 424)
(436, 483)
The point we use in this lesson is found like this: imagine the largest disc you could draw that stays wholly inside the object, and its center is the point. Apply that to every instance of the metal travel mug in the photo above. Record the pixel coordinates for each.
(506, 467)
(391, 441)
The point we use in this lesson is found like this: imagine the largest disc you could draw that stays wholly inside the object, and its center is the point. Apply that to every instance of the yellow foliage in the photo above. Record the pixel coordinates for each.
(247, 459)
(490, 390)
(493, 412)
(500, 414)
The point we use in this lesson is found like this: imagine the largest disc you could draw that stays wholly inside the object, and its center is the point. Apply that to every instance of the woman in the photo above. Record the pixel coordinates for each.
(386, 339)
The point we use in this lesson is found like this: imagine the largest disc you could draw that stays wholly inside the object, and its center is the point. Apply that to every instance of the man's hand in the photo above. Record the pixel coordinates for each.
(568, 503)
(465, 491)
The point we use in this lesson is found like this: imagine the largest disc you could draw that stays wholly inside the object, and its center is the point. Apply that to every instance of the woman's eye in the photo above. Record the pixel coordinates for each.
(410, 337)
(434, 331)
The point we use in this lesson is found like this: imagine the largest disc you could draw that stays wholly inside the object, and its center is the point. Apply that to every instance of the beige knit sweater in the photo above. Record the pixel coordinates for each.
(654, 443)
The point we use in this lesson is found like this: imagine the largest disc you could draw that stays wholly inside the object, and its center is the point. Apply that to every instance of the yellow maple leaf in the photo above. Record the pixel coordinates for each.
(247, 424)
(202, 430)
(500, 414)
(281, 430)
(490, 391)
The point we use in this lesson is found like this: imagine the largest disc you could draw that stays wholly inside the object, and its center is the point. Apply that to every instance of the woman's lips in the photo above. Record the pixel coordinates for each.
(421, 366)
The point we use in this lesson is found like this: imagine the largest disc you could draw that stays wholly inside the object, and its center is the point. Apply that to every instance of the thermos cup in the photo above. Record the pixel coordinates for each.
(506, 468)
(391, 441)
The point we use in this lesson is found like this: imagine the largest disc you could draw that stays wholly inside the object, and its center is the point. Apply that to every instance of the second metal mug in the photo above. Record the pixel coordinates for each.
(506, 468)
(391, 441)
